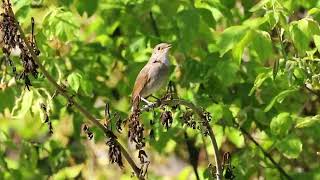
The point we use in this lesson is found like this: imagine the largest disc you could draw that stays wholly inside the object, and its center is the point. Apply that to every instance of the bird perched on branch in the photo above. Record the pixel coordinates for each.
(152, 76)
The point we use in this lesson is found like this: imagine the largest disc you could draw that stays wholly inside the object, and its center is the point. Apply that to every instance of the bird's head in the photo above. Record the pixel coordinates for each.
(161, 49)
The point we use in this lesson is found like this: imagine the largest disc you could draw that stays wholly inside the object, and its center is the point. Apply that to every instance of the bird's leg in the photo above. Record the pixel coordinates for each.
(158, 100)
(146, 101)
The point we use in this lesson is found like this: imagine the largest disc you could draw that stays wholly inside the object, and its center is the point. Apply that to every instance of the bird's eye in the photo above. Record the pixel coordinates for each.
(158, 48)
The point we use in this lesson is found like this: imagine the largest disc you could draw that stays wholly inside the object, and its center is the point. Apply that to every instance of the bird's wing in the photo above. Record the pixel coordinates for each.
(141, 81)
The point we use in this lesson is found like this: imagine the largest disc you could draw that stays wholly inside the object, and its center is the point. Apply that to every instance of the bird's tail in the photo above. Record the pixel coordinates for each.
(135, 103)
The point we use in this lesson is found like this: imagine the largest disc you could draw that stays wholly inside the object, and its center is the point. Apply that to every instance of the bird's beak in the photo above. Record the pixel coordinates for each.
(169, 46)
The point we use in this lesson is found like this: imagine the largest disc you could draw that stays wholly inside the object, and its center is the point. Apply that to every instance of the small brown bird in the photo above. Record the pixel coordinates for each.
(152, 76)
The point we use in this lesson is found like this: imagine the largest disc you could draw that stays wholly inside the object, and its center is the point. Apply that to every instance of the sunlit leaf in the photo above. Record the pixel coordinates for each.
(88, 6)
(307, 121)
(235, 137)
(316, 39)
(262, 45)
(259, 81)
(26, 103)
(230, 37)
(301, 33)
(237, 51)
(291, 147)
(281, 124)
(279, 98)
(68, 172)
(259, 5)
(74, 80)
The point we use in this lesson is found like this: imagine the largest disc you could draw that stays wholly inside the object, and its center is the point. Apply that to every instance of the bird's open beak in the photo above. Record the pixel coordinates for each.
(169, 46)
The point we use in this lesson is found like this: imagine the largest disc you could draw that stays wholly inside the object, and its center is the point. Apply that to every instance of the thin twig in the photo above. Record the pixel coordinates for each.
(265, 153)
(199, 112)
(154, 24)
(312, 91)
(76, 104)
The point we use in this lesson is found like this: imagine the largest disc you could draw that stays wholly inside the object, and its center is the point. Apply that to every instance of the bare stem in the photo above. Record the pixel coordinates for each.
(199, 112)
(86, 113)
(265, 153)
(154, 24)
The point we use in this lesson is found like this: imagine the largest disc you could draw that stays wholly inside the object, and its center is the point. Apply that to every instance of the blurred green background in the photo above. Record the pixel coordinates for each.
(246, 61)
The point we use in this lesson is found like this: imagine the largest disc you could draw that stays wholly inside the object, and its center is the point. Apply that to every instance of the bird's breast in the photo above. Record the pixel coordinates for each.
(158, 75)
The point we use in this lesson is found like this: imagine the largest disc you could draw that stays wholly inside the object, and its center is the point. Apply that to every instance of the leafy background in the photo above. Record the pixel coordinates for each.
(251, 62)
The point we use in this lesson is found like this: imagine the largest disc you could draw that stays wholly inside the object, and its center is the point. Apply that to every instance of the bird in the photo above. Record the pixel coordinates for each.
(152, 76)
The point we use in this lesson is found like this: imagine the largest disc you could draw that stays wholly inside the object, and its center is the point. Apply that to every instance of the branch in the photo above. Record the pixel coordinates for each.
(265, 153)
(312, 91)
(87, 114)
(154, 24)
(199, 112)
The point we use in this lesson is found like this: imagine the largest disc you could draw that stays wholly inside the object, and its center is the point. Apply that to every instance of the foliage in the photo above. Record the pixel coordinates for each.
(254, 65)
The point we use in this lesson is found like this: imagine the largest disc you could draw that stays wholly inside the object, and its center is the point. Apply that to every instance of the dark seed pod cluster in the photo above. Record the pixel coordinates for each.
(227, 166)
(10, 63)
(136, 129)
(119, 123)
(172, 93)
(114, 152)
(11, 39)
(108, 119)
(70, 101)
(46, 118)
(9, 29)
(107, 113)
(88, 132)
(142, 156)
(188, 119)
(166, 119)
(144, 163)
(206, 118)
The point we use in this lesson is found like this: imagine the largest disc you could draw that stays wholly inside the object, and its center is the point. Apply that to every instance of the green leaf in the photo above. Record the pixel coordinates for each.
(281, 124)
(315, 13)
(207, 174)
(87, 87)
(231, 37)
(74, 80)
(22, 8)
(8, 96)
(217, 110)
(237, 51)
(316, 39)
(26, 103)
(235, 136)
(291, 147)
(185, 173)
(88, 6)
(188, 23)
(255, 23)
(262, 45)
(207, 17)
(62, 24)
(301, 33)
(279, 98)
(68, 172)
(259, 80)
(307, 121)
(65, 2)
(259, 5)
